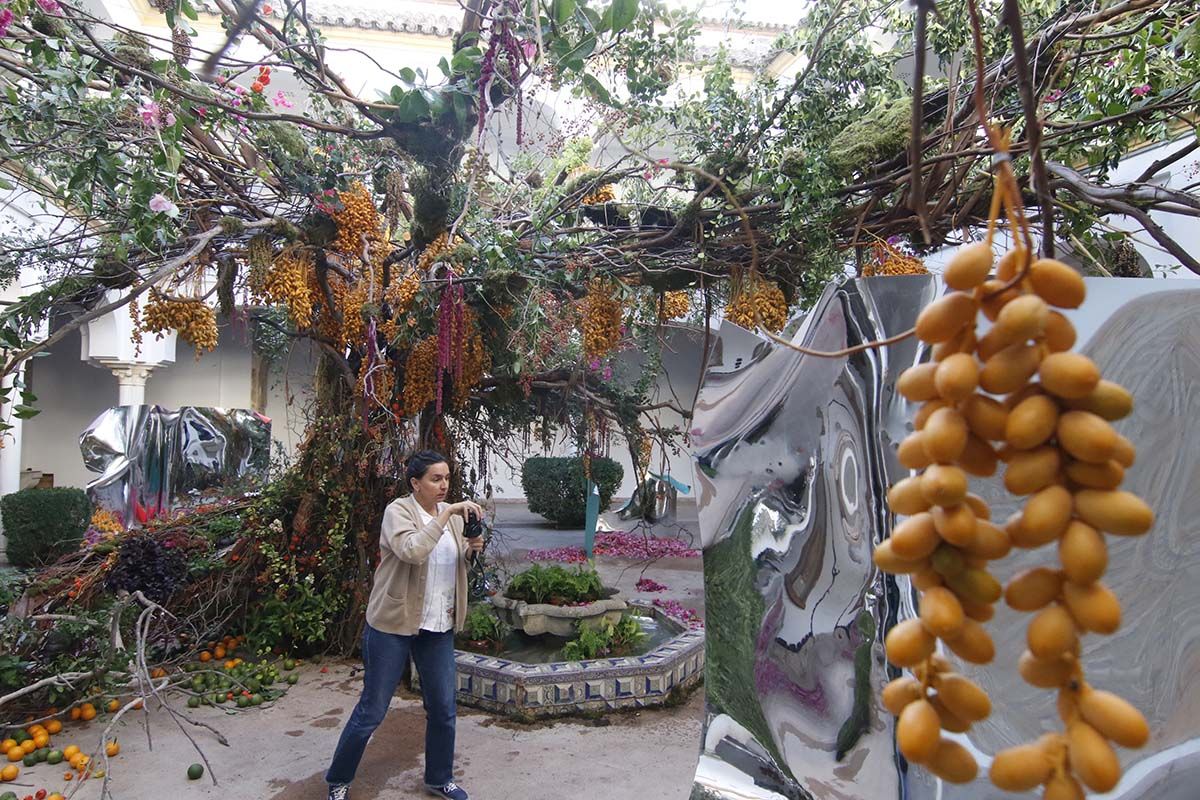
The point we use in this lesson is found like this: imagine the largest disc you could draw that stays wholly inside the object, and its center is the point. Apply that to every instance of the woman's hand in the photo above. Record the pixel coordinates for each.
(465, 508)
(475, 545)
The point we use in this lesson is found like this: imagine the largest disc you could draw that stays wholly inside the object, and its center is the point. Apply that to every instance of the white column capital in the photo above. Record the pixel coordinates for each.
(131, 380)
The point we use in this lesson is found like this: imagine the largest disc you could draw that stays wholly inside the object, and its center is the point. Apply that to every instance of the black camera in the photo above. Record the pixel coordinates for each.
(473, 529)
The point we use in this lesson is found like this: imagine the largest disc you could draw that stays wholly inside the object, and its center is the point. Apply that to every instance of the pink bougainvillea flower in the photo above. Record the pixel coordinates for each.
(6, 18)
(150, 112)
(1141, 91)
(50, 7)
(153, 116)
(620, 544)
(162, 204)
(280, 100)
(650, 585)
(1053, 96)
(675, 610)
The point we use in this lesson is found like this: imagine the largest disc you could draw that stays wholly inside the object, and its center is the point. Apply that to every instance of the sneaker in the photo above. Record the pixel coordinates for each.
(339, 791)
(451, 791)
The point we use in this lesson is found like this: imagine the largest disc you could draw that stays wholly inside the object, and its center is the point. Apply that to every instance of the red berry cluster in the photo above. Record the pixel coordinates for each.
(264, 78)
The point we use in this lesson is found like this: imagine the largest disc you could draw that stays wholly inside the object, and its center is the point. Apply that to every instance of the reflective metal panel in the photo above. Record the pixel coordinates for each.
(152, 459)
(793, 458)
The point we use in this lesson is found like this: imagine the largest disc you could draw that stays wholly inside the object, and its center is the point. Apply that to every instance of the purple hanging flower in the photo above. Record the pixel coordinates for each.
(1141, 91)
(50, 7)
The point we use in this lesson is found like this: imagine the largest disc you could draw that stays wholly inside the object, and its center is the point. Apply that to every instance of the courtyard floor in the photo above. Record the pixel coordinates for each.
(280, 752)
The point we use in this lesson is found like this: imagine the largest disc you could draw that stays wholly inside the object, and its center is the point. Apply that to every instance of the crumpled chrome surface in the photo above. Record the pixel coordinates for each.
(793, 458)
(656, 500)
(152, 459)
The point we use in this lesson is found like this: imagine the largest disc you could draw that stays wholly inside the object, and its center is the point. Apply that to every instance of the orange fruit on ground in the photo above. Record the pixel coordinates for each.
(88, 713)
(6, 744)
(229, 664)
(56, 796)
(112, 749)
(137, 706)
(81, 761)
(71, 751)
(206, 656)
(68, 775)
(41, 740)
(113, 705)
(219, 652)
(34, 730)
(15, 753)
(76, 712)
(53, 727)
(10, 773)
(29, 745)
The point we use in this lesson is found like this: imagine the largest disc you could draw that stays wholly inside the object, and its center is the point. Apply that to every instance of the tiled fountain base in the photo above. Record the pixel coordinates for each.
(513, 687)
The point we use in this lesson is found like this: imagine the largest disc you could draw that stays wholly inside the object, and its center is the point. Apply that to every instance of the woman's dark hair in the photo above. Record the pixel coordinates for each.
(419, 463)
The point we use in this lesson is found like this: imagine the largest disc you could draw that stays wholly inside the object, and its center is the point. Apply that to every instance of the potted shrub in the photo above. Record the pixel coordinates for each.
(553, 599)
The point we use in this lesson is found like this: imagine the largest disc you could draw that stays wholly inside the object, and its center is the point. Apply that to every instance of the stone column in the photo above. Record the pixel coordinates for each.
(131, 382)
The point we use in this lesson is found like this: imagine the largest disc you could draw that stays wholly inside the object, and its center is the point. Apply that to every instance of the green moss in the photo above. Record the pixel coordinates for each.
(879, 135)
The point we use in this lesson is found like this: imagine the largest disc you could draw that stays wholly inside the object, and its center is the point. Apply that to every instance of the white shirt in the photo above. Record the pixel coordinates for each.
(437, 613)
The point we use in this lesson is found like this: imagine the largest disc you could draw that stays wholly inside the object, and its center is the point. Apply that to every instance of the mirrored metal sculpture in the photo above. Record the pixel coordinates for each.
(656, 500)
(152, 459)
(793, 458)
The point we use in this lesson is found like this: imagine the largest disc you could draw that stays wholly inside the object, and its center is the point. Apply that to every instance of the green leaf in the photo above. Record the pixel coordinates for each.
(24, 412)
(462, 110)
(597, 90)
(408, 76)
(6, 184)
(188, 10)
(563, 10)
(466, 60)
(623, 12)
(444, 66)
(586, 46)
(413, 107)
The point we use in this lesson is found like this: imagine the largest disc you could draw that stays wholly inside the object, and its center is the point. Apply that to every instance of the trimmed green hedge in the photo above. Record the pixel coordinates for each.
(557, 489)
(42, 524)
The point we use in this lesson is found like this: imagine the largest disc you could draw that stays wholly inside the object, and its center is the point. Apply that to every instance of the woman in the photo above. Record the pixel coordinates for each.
(418, 599)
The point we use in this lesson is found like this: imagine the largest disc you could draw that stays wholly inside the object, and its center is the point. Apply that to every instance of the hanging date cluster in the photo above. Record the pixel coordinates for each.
(1017, 395)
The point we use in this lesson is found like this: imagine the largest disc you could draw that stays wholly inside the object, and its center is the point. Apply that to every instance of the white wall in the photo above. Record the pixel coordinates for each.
(70, 394)
(676, 382)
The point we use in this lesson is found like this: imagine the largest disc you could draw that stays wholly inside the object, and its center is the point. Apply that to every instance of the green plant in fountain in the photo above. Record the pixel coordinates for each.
(556, 585)
(482, 626)
(599, 640)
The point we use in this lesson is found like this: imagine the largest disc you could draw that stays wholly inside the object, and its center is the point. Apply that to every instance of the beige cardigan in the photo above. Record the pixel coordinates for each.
(398, 593)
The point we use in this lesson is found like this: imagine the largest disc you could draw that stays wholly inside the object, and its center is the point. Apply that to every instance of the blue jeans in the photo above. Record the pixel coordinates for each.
(384, 657)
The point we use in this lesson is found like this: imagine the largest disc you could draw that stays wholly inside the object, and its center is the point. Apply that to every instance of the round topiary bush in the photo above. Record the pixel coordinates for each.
(556, 488)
